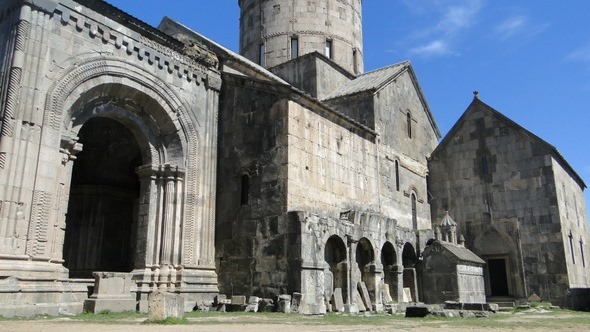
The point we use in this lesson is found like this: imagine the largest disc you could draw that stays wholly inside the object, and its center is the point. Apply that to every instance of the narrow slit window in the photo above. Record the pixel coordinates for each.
(582, 252)
(329, 49)
(294, 47)
(409, 124)
(397, 175)
(261, 55)
(572, 247)
(484, 166)
(245, 189)
(355, 63)
(414, 212)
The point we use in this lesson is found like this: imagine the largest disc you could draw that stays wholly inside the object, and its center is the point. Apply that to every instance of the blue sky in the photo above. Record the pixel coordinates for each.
(529, 59)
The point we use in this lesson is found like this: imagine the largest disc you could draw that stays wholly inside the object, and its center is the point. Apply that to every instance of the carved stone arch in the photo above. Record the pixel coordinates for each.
(86, 76)
(171, 138)
(493, 241)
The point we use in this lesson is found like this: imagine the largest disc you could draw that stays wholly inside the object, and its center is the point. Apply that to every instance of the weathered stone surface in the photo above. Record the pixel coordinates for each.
(366, 300)
(385, 294)
(165, 305)
(337, 302)
(513, 196)
(112, 292)
(284, 304)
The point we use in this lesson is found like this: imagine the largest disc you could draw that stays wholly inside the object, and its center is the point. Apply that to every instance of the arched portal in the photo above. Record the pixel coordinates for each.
(335, 256)
(410, 260)
(365, 258)
(499, 252)
(102, 211)
(389, 262)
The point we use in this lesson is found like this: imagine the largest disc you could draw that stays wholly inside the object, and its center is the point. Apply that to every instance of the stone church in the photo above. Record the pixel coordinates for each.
(136, 159)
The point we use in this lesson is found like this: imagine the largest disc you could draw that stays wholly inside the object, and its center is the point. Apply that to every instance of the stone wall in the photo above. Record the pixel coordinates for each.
(73, 61)
(274, 23)
(502, 184)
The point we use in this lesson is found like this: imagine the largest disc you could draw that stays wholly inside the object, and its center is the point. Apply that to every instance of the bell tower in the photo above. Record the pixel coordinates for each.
(276, 31)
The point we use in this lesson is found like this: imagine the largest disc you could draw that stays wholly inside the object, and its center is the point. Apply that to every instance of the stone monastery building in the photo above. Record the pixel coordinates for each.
(136, 159)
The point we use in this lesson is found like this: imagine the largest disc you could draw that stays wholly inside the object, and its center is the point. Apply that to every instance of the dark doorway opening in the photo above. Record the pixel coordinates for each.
(102, 210)
(498, 277)
(335, 256)
(389, 262)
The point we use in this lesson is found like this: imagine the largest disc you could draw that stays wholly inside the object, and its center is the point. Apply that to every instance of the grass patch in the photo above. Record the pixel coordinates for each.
(169, 321)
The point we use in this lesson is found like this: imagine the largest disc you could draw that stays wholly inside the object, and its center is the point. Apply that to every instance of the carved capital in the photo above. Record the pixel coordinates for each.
(69, 147)
(214, 81)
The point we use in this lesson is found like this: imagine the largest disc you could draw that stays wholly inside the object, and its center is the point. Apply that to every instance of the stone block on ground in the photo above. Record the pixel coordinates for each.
(253, 303)
(417, 311)
(164, 305)
(359, 300)
(337, 301)
(407, 295)
(296, 302)
(364, 292)
(386, 294)
(112, 292)
(284, 304)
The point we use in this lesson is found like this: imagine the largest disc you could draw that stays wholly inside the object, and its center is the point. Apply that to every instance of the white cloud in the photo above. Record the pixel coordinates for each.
(434, 48)
(518, 26)
(459, 17)
(581, 54)
(510, 27)
(451, 19)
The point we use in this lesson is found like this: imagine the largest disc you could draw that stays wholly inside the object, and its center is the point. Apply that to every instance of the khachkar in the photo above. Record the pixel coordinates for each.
(275, 31)
(108, 150)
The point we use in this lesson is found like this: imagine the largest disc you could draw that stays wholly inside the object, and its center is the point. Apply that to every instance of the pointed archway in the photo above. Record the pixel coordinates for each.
(102, 211)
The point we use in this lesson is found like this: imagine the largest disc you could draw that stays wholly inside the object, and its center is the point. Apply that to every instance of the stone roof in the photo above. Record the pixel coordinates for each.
(447, 220)
(463, 254)
(376, 80)
(373, 80)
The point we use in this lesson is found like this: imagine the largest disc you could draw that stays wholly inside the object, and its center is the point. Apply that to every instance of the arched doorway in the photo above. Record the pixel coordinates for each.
(335, 256)
(365, 258)
(389, 262)
(410, 260)
(102, 211)
(498, 250)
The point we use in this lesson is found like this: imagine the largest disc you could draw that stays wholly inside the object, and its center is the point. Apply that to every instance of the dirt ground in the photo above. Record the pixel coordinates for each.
(293, 323)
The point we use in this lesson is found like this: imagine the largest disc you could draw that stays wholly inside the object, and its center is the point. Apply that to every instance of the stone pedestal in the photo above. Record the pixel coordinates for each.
(112, 292)
(164, 305)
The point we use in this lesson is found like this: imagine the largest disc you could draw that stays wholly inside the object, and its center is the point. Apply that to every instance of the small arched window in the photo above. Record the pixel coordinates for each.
(409, 124)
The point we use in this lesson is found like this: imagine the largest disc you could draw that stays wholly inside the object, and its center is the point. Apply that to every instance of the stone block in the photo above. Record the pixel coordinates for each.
(165, 305)
(385, 294)
(284, 304)
(407, 295)
(112, 292)
(358, 301)
(238, 300)
(337, 301)
(253, 304)
(417, 311)
(473, 306)
(364, 293)
(297, 302)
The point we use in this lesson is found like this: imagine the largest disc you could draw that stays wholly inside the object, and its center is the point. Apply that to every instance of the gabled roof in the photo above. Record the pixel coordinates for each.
(478, 105)
(462, 253)
(373, 81)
